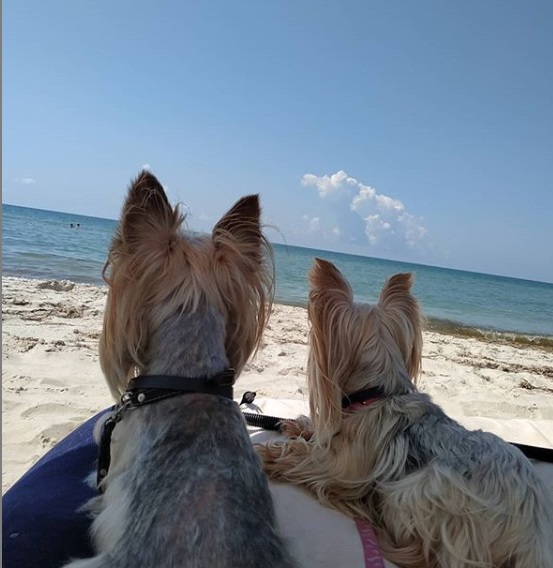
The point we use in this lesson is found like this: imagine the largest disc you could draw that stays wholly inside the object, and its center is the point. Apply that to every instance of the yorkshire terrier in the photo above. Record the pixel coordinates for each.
(377, 449)
(181, 484)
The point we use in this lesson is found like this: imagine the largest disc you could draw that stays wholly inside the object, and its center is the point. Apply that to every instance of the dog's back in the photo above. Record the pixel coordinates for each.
(472, 492)
(182, 486)
(438, 495)
(187, 491)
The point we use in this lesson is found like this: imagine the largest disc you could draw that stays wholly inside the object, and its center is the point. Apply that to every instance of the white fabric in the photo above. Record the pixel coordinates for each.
(319, 537)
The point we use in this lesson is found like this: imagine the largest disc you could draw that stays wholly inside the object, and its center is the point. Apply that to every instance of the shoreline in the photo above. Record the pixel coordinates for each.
(448, 327)
(52, 381)
(433, 324)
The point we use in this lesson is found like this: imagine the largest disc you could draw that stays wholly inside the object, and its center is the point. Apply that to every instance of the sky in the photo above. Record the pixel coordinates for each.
(419, 131)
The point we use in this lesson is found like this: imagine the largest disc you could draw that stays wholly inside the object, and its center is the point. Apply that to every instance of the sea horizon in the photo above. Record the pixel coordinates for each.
(454, 300)
(349, 253)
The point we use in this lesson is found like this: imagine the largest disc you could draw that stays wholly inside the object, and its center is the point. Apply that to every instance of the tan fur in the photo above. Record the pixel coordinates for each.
(170, 270)
(438, 495)
(188, 307)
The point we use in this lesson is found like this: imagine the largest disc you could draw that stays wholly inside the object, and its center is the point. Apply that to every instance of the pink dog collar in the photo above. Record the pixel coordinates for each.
(361, 399)
(371, 548)
(360, 405)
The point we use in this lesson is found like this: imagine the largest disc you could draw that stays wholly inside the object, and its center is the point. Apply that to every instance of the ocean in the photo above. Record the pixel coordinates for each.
(60, 246)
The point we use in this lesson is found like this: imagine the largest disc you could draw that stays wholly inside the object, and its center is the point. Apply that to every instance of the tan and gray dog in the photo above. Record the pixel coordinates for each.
(181, 484)
(437, 494)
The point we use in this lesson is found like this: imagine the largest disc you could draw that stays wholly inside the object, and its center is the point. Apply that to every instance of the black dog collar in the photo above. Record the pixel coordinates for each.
(147, 389)
(361, 396)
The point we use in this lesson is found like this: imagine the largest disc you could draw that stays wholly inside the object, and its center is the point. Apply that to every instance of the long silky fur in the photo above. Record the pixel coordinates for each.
(438, 495)
(185, 487)
(153, 270)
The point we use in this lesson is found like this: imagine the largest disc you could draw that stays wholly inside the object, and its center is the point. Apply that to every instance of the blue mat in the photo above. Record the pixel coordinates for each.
(40, 522)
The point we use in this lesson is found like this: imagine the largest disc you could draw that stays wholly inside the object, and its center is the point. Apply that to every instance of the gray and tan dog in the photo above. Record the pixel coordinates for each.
(184, 486)
(437, 494)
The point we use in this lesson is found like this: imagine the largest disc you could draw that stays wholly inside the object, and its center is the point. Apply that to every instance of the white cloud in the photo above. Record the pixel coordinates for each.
(414, 230)
(376, 229)
(313, 223)
(367, 201)
(366, 194)
(333, 186)
(365, 214)
(25, 180)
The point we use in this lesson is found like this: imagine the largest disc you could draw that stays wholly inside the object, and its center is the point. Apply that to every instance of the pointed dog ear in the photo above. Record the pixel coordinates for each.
(241, 227)
(325, 277)
(146, 213)
(396, 292)
(404, 319)
(244, 270)
(329, 309)
(330, 295)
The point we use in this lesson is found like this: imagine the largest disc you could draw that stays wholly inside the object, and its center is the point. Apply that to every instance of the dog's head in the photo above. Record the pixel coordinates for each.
(359, 346)
(155, 269)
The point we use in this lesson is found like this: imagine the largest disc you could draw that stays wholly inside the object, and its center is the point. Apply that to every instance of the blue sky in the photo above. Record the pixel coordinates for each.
(413, 130)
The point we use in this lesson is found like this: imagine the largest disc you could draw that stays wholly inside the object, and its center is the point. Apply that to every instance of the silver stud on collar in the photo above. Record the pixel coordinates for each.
(141, 397)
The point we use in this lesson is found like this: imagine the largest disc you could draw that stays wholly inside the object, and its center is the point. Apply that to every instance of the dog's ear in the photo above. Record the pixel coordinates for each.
(330, 292)
(146, 213)
(329, 308)
(325, 277)
(396, 290)
(241, 227)
(244, 270)
(404, 319)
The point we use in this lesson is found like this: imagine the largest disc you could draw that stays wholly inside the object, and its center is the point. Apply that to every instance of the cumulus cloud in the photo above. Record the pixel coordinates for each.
(25, 180)
(329, 187)
(363, 214)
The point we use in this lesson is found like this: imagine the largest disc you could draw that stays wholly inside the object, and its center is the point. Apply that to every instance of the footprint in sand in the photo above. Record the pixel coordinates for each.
(53, 434)
(53, 383)
(45, 408)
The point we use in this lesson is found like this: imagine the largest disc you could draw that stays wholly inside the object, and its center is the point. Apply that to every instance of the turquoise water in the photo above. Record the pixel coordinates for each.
(42, 244)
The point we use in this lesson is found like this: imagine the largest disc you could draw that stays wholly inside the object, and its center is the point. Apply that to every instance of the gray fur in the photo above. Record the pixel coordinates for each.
(185, 488)
(437, 494)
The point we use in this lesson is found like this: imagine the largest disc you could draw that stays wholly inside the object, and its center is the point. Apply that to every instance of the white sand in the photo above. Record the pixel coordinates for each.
(51, 378)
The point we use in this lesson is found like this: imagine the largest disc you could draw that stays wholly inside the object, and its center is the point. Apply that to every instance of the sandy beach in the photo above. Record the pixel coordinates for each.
(52, 382)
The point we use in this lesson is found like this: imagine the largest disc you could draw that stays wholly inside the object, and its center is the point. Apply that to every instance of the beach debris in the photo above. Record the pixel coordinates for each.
(56, 285)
